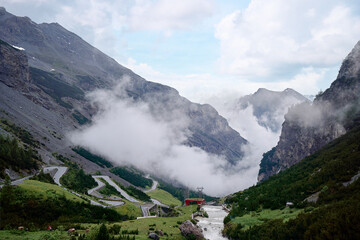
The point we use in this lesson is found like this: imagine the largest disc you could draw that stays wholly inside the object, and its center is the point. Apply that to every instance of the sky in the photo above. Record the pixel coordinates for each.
(213, 48)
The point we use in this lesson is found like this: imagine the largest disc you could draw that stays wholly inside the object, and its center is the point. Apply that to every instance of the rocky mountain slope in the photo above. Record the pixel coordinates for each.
(43, 90)
(308, 127)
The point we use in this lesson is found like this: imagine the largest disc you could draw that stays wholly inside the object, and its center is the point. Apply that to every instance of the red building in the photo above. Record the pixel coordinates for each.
(198, 201)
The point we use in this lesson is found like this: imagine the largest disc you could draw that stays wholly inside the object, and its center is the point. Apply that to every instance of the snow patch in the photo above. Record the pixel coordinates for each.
(18, 48)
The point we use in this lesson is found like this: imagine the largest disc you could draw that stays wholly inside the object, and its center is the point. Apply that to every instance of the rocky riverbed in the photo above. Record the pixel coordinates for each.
(213, 225)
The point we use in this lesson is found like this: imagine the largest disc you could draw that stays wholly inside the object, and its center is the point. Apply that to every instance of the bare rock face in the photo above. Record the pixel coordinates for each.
(308, 127)
(188, 229)
(14, 68)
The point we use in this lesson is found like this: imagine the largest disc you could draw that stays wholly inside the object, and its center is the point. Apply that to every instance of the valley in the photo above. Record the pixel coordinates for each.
(91, 150)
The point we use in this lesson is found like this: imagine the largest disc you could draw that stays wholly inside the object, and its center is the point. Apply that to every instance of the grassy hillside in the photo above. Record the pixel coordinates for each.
(129, 209)
(169, 225)
(323, 174)
(36, 205)
(164, 197)
(76, 179)
(47, 190)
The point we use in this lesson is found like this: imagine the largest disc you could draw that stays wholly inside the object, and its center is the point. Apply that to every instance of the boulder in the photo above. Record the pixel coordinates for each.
(188, 229)
(153, 236)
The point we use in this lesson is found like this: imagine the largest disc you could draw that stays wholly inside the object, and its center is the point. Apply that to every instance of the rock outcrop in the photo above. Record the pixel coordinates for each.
(14, 68)
(308, 127)
(190, 231)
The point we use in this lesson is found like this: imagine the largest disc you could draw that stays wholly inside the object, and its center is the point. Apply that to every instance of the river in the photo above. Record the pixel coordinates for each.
(214, 224)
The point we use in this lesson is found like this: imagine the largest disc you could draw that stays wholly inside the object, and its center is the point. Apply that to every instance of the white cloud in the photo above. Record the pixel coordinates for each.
(282, 36)
(127, 133)
(205, 87)
(168, 15)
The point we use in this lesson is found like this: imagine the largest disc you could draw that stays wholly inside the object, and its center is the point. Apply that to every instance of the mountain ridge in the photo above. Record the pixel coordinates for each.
(308, 127)
(71, 63)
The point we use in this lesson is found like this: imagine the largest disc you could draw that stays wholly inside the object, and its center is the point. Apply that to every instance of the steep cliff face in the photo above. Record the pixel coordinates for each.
(308, 127)
(63, 68)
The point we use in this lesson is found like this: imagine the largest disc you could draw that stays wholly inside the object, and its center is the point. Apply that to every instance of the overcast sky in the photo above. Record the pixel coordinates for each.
(207, 48)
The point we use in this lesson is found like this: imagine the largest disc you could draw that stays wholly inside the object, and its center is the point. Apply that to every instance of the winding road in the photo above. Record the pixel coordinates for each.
(153, 187)
(112, 183)
(60, 171)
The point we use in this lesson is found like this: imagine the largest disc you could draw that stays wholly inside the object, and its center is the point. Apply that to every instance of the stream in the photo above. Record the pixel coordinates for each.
(214, 224)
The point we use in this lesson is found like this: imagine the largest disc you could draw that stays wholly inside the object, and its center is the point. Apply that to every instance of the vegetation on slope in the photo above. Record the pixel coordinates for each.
(43, 177)
(336, 210)
(76, 179)
(178, 192)
(15, 157)
(129, 209)
(108, 190)
(168, 225)
(22, 207)
(164, 197)
(19, 132)
(132, 177)
(92, 157)
(81, 119)
(136, 193)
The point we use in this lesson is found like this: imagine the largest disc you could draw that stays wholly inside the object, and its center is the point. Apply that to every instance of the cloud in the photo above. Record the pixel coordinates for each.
(270, 38)
(128, 133)
(168, 15)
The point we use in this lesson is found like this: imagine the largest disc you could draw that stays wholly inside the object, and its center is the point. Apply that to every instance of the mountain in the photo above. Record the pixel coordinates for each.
(317, 198)
(44, 90)
(269, 107)
(308, 127)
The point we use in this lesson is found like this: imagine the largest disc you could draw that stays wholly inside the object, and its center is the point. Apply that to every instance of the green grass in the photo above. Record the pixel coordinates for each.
(257, 218)
(129, 209)
(48, 190)
(23, 235)
(164, 197)
(168, 225)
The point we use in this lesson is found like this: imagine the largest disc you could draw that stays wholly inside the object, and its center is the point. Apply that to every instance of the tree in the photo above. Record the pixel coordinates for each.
(103, 233)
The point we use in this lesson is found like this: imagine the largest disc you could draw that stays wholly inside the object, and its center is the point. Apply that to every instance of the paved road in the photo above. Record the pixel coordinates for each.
(113, 203)
(20, 181)
(159, 203)
(111, 182)
(60, 171)
(153, 187)
(98, 187)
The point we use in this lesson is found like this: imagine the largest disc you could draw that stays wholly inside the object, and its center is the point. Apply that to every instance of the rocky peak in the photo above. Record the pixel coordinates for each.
(308, 127)
(351, 65)
(269, 107)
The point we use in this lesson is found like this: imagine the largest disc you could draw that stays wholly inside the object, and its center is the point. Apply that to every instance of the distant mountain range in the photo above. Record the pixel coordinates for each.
(269, 107)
